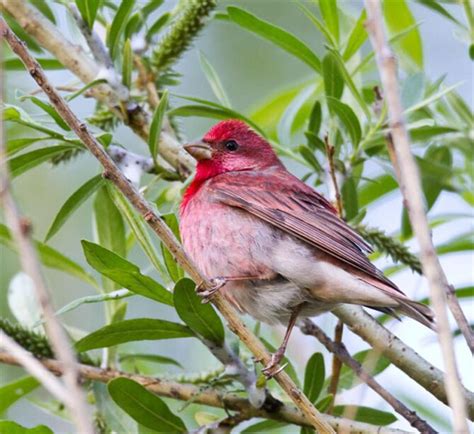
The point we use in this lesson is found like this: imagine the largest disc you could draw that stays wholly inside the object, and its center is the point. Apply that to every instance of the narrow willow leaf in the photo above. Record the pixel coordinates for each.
(174, 270)
(310, 158)
(12, 392)
(133, 26)
(201, 318)
(277, 35)
(263, 427)
(462, 243)
(159, 24)
(117, 26)
(376, 188)
(366, 414)
(88, 10)
(432, 98)
(140, 329)
(44, 8)
(17, 145)
(156, 125)
(89, 85)
(348, 119)
(146, 408)
(322, 27)
(152, 358)
(17, 65)
(139, 229)
(323, 404)
(127, 64)
(398, 17)
(349, 198)
(73, 203)
(315, 118)
(357, 37)
(333, 79)
(10, 427)
(330, 15)
(213, 80)
(377, 364)
(437, 7)
(125, 273)
(25, 162)
(314, 377)
(48, 109)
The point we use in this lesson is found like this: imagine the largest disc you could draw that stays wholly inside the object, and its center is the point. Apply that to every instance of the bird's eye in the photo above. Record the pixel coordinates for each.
(231, 145)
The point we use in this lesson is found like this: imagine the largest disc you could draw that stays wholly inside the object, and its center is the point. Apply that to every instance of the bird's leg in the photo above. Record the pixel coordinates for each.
(217, 283)
(272, 368)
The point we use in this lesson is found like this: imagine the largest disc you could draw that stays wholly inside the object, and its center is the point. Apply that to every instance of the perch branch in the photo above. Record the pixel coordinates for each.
(21, 231)
(400, 354)
(340, 351)
(112, 172)
(410, 185)
(209, 396)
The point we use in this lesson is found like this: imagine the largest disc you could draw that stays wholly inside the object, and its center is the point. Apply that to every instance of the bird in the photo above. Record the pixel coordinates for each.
(273, 246)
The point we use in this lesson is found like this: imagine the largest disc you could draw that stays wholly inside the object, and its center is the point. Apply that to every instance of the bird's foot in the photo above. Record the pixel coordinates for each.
(273, 368)
(207, 294)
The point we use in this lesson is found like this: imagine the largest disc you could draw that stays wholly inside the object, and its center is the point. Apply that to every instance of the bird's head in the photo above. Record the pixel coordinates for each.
(231, 146)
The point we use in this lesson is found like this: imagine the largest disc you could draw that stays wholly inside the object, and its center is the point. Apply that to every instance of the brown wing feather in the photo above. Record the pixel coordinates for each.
(284, 201)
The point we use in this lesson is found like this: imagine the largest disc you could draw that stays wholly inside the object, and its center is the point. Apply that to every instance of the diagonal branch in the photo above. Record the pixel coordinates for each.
(410, 185)
(339, 350)
(112, 172)
(210, 396)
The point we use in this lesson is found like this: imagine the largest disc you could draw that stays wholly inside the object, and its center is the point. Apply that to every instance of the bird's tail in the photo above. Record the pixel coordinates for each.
(418, 311)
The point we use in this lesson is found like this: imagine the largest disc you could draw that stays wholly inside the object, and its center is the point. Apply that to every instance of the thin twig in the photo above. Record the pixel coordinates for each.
(401, 355)
(340, 351)
(34, 367)
(410, 186)
(112, 172)
(208, 396)
(21, 231)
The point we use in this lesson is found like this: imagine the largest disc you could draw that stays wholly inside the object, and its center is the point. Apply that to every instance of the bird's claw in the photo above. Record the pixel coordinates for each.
(272, 368)
(207, 294)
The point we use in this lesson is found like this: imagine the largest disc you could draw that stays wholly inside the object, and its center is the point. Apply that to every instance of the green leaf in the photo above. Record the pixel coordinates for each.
(156, 124)
(330, 15)
(348, 119)
(263, 427)
(432, 98)
(376, 188)
(357, 37)
(201, 318)
(310, 158)
(124, 273)
(73, 203)
(25, 162)
(322, 27)
(413, 89)
(88, 10)
(213, 80)
(277, 35)
(366, 414)
(17, 145)
(323, 404)
(153, 358)
(462, 243)
(398, 18)
(17, 65)
(157, 26)
(174, 270)
(314, 377)
(376, 362)
(127, 64)
(118, 24)
(50, 258)
(349, 198)
(89, 85)
(140, 329)
(333, 80)
(437, 7)
(146, 408)
(139, 229)
(423, 134)
(12, 392)
(10, 427)
(44, 8)
(315, 118)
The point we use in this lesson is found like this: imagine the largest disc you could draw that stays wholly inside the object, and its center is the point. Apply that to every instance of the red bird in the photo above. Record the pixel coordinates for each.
(275, 245)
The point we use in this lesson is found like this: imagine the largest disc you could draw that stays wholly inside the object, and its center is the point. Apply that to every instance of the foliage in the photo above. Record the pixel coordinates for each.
(336, 105)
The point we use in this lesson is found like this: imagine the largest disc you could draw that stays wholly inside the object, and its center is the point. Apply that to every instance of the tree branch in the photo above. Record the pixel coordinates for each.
(112, 172)
(410, 185)
(340, 351)
(400, 354)
(21, 231)
(208, 396)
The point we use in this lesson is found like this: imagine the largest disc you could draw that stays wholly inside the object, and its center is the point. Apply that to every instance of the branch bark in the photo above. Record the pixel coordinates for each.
(21, 231)
(339, 350)
(410, 185)
(209, 396)
(112, 172)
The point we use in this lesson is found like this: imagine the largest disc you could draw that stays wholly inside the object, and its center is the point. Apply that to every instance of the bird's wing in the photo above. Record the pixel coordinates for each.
(284, 201)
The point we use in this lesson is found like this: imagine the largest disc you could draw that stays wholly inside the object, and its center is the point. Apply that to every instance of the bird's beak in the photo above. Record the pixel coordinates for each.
(199, 150)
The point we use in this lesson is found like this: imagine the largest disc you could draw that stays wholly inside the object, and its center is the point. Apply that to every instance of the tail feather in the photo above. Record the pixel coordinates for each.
(419, 312)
